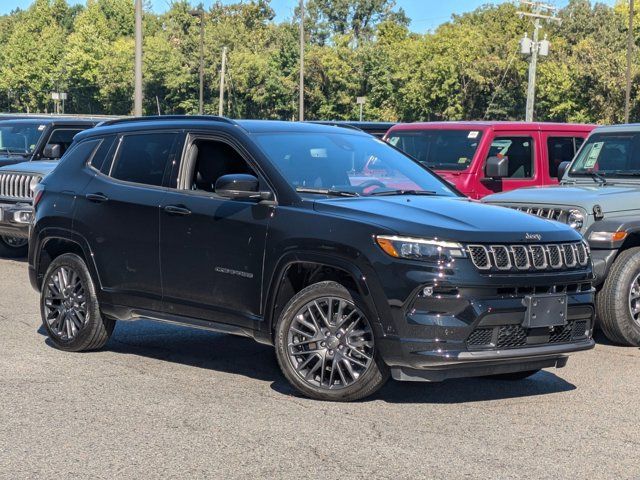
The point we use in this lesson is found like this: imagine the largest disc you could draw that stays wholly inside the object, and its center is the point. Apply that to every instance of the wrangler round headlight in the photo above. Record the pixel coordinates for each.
(34, 183)
(426, 249)
(575, 219)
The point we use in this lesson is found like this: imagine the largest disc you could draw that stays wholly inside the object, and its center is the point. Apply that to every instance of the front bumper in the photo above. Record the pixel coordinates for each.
(15, 219)
(479, 331)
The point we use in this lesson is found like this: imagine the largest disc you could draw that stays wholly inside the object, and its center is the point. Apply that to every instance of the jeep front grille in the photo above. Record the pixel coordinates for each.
(528, 257)
(16, 186)
(557, 214)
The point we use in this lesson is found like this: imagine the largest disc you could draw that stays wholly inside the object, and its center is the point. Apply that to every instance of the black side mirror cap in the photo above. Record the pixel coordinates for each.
(52, 150)
(241, 186)
(562, 169)
(497, 167)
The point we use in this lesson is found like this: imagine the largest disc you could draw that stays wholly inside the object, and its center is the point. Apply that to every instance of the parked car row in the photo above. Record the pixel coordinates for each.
(349, 256)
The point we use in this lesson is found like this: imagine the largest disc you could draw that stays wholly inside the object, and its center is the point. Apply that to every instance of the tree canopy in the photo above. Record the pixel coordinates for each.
(467, 68)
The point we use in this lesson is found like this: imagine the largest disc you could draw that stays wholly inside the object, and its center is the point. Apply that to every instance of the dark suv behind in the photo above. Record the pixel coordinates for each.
(353, 260)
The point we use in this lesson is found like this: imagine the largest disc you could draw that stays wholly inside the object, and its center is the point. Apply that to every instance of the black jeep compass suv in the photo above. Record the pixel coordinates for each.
(352, 259)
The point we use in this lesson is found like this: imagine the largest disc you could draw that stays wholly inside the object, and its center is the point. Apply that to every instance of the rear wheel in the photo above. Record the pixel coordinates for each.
(13, 247)
(69, 307)
(326, 346)
(618, 303)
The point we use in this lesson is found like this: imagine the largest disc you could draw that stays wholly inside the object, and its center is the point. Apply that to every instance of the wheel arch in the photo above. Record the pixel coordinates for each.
(295, 271)
(50, 244)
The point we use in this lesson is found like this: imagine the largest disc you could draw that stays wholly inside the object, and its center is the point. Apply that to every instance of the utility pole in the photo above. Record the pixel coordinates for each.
(533, 47)
(137, 101)
(627, 93)
(222, 74)
(301, 86)
(200, 13)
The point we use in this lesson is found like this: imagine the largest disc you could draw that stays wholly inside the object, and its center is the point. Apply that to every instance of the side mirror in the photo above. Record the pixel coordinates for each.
(240, 186)
(562, 169)
(52, 150)
(497, 167)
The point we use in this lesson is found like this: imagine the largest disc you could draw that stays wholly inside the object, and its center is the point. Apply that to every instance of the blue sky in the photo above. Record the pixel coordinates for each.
(425, 14)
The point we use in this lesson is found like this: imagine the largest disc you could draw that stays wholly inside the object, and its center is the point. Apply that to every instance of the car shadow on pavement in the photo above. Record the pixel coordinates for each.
(243, 356)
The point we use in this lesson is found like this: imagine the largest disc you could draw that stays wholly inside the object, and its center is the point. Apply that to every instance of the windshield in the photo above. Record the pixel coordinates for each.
(609, 155)
(343, 163)
(19, 138)
(439, 149)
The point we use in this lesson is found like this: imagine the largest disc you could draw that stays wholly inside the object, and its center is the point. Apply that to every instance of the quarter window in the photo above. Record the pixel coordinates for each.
(519, 151)
(100, 160)
(82, 151)
(143, 158)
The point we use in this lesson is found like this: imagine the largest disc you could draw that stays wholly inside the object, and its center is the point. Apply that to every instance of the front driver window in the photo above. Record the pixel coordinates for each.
(519, 151)
(208, 160)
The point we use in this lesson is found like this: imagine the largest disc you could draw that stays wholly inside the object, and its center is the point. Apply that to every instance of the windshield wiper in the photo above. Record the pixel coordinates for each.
(383, 193)
(327, 191)
(597, 177)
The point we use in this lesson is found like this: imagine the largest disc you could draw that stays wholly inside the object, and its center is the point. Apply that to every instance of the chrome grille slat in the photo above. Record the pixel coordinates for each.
(16, 186)
(548, 213)
(524, 258)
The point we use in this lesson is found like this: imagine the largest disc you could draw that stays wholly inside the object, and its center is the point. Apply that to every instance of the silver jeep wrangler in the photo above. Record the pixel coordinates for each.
(599, 196)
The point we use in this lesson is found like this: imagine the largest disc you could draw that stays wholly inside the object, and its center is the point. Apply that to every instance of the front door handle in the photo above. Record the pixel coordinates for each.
(96, 197)
(176, 210)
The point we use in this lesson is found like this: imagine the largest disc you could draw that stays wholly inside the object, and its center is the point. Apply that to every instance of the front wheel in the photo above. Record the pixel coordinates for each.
(69, 307)
(618, 303)
(13, 247)
(325, 345)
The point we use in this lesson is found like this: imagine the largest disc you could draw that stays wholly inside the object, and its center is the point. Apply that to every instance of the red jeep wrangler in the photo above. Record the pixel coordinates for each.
(481, 158)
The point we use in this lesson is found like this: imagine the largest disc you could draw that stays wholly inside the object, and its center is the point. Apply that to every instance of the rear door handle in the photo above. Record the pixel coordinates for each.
(176, 210)
(96, 197)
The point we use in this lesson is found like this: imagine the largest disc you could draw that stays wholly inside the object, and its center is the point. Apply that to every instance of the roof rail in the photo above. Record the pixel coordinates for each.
(334, 124)
(214, 118)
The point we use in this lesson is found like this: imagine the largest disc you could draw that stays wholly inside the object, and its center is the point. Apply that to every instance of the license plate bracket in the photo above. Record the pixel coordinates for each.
(545, 310)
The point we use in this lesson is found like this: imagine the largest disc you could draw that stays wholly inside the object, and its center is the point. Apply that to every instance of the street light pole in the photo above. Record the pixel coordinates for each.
(137, 100)
(223, 69)
(301, 86)
(627, 93)
(200, 13)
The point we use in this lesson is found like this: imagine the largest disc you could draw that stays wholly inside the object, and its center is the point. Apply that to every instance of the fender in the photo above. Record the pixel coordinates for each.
(367, 285)
(629, 224)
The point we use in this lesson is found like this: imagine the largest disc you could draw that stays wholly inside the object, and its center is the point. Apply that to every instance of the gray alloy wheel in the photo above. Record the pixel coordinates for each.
(326, 346)
(330, 343)
(634, 299)
(65, 303)
(69, 306)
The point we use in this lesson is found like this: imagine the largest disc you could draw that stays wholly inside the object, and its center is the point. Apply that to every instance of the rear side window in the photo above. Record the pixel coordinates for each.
(561, 149)
(143, 158)
(519, 151)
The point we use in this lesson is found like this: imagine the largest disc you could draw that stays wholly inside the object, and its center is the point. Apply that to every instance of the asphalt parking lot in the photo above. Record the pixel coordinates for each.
(164, 401)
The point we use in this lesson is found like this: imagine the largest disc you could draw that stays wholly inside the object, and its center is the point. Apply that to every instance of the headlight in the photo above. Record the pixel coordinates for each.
(575, 219)
(429, 250)
(34, 183)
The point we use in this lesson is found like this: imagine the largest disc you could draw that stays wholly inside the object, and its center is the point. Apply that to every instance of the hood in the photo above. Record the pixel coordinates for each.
(39, 167)
(448, 218)
(12, 159)
(611, 197)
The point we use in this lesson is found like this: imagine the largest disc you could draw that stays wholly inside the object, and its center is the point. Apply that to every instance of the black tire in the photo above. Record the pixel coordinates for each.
(513, 376)
(96, 330)
(7, 250)
(612, 303)
(369, 381)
